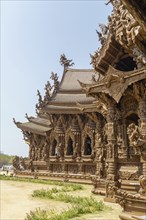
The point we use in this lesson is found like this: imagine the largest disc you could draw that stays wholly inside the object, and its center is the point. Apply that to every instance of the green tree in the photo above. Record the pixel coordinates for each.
(5, 159)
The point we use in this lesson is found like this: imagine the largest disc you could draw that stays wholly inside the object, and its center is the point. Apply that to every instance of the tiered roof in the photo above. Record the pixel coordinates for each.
(65, 100)
(39, 126)
(70, 93)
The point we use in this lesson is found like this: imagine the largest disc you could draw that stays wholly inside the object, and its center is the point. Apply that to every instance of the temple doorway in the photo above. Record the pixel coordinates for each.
(88, 148)
(54, 148)
(70, 147)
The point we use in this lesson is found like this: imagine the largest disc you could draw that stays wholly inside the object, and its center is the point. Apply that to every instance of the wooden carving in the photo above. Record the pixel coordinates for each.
(55, 78)
(102, 35)
(142, 180)
(40, 101)
(135, 137)
(48, 93)
(127, 30)
(65, 62)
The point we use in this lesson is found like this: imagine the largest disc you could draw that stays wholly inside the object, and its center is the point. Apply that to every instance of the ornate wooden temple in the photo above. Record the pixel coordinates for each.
(91, 126)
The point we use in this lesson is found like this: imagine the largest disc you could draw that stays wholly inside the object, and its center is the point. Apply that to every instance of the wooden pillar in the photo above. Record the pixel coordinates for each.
(77, 144)
(125, 138)
(111, 159)
(142, 116)
(61, 144)
(99, 150)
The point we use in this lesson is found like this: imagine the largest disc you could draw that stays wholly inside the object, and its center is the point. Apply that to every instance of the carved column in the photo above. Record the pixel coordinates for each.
(125, 138)
(77, 144)
(61, 145)
(142, 116)
(98, 150)
(75, 129)
(100, 160)
(111, 159)
(120, 140)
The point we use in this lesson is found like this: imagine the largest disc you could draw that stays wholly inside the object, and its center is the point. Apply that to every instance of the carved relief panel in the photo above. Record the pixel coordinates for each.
(38, 147)
(72, 169)
(129, 108)
(129, 105)
(89, 169)
(57, 168)
(129, 171)
(122, 149)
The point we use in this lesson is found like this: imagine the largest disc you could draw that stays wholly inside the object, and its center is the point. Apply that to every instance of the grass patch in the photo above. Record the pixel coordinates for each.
(69, 186)
(80, 205)
(38, 214)
(59, 195)
(74, 211)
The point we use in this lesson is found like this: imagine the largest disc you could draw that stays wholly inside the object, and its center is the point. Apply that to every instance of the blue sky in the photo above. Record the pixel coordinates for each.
(33, 36)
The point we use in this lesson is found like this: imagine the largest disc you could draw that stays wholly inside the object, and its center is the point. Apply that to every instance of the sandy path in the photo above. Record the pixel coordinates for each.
(16, 200)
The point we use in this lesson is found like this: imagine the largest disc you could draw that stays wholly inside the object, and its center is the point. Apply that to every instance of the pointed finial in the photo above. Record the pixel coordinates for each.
(65, 62)
(16, 122)
(110, 1)
(26, 116)
(40, 100)
(55, 78)
(48, 94)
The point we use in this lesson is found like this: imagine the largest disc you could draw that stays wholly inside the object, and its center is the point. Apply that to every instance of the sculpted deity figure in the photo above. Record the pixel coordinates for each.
(135, 137)
(55, 78)
(139, 57)
(76, 149)
(142, 180)
(103, 34)
(59, 149)
(65, 62)
(109, 150)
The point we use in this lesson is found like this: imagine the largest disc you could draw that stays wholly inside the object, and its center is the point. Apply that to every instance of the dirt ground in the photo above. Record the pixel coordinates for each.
(16, 201)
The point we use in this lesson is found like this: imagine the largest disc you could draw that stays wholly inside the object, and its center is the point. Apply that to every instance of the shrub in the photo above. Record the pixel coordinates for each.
(38, 214)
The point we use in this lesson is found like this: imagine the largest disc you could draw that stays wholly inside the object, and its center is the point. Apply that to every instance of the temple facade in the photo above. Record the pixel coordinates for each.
(91, 126)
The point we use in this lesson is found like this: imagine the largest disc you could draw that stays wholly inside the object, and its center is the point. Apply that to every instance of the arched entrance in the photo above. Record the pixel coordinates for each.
(88, 147)
(69, 147)
(54, 148)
